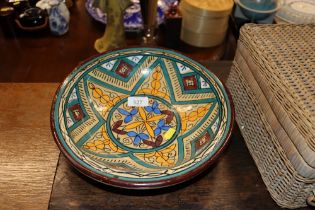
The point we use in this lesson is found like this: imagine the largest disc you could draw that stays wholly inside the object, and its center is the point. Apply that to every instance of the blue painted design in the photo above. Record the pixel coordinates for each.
(129, 115)
(137, 137)
(140, 150)
(154, 108)
(160, 127)
(59, 19)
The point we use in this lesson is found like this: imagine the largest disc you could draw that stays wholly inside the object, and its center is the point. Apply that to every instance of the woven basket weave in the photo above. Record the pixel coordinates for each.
(272, 82)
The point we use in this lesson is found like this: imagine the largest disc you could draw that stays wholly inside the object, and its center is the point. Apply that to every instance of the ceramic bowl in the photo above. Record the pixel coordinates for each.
(256, 10)
(297, 12)
(32, 19)
(141, 118)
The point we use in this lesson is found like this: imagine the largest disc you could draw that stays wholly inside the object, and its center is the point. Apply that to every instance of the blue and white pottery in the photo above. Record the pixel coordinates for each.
(59, 18)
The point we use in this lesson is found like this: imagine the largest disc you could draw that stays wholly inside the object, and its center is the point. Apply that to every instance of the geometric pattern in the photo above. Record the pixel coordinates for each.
(184, 122)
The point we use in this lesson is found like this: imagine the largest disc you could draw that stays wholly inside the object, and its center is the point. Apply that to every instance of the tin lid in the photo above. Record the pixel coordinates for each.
(211, 8)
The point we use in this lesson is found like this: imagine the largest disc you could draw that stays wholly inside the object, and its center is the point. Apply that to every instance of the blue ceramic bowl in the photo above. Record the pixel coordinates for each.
(256, 10)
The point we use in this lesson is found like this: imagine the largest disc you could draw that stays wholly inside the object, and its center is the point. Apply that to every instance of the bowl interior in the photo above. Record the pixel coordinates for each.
(141, 115)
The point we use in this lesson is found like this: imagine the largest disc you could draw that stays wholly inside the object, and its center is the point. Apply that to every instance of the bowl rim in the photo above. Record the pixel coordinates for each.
(279, 5)
(138, 185)
(297, 15)
(284, 20)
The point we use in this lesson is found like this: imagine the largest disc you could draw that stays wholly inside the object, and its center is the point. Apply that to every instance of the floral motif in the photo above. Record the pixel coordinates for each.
(138, 137)
(129, 115)
(142, 127)
(144, 120)
(161, 126)
(154, 108)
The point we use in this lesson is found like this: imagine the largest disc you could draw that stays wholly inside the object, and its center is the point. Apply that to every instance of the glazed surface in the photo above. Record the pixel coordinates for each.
(141, 115)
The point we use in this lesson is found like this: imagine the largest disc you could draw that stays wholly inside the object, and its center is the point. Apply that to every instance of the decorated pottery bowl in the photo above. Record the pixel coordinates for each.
(141, 118)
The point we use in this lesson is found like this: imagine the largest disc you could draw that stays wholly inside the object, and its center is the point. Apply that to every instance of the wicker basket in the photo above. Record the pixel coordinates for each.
(272, 82)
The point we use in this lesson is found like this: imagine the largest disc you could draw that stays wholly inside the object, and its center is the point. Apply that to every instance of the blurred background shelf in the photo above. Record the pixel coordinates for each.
(40, 56)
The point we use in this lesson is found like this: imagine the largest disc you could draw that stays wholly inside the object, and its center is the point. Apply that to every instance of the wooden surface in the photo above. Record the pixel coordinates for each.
(29, 157)
(28, 154)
